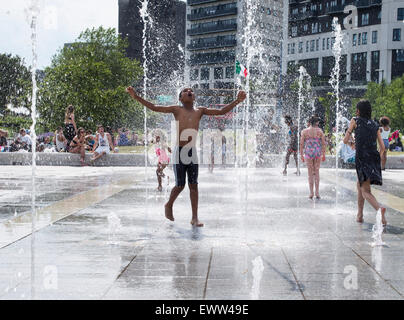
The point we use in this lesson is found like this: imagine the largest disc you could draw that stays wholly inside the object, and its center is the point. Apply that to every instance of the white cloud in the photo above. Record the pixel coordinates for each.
(59, 22)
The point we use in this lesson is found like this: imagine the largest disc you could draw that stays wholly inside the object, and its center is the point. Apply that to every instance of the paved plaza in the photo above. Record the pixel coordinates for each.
(100, 233)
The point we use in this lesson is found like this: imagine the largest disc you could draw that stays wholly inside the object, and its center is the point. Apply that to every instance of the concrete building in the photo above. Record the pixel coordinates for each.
(221, 32)
(165, 39)
(373, 49)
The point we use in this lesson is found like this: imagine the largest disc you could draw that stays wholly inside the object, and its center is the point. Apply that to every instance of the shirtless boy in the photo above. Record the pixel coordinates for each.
(185, 156)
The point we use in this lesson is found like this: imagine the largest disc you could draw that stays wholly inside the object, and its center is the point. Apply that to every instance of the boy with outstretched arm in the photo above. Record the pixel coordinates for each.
(185, 156)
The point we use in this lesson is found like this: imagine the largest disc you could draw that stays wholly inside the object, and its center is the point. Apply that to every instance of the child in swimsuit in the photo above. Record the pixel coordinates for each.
(163, 160)
(385, 132)
(367, 158)
(292, 147)
(312, 152)
(185, 156)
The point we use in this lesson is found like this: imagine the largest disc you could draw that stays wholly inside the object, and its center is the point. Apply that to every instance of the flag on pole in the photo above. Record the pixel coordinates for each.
(241, 70)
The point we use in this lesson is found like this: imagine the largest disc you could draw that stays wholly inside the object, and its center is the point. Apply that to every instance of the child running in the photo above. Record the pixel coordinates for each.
(312, 151)
(185, 156)
(367, 158)
(292, 147)
(163, 160)
(385, 132)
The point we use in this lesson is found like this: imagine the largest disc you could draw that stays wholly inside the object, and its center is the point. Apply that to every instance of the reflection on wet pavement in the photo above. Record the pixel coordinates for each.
(102, 234)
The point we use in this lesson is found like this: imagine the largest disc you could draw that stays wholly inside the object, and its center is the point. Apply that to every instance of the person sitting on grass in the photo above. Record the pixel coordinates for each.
(102, 144)
(77, 145)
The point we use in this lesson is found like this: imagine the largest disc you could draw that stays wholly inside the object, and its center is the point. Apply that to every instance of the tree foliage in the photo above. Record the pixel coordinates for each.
(387, 100)
(15, 82)
(91, 74)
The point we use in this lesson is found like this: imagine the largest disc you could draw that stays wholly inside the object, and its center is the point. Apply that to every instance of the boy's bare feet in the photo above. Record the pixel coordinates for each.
(160, 188)
(197, 223)
(318, 197)
(384, 222)
(297, 173)
(284, 172)
(359, 218)
(311, 196)
(169, 212)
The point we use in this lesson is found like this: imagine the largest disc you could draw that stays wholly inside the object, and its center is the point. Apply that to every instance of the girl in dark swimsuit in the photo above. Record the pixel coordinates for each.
(70, 125)
(367, 158)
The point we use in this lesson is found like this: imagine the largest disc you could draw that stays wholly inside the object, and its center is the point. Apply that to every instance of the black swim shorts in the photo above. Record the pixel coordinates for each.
(185, 162)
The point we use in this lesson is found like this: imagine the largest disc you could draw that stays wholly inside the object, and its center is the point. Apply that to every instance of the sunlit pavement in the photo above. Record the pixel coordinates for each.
(101, 234)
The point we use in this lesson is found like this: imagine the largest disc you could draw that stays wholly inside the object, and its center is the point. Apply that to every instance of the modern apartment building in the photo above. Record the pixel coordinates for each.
(373, 49)
(221, 32)
(166, 34)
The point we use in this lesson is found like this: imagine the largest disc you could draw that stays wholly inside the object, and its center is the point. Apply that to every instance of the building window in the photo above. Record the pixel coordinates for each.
(400, 14)
(312, 43)
(365, 19)
(269, 11)
(205, 74)
(396, 34)
(294, 31)
(314, 27)
(304, 9)
(194, 74)
(218, 73)
(292, 51)
(288, 48)
(354, 37)
(323, 43)
(374, 37)
(205, 86)
(307, 46)
(301, 47)
(317, 44)
(328, 43)
(359, 39)
(230, 72)
(364, 38)
(305, 28)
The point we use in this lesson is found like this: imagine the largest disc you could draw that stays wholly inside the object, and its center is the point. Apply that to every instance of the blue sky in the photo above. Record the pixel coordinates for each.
(60, 21)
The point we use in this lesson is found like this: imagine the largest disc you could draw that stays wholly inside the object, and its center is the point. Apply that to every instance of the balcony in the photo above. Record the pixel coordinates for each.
(196, 2)
(302, 16)
(366, 3)
(213, 57)
(335, 9)
(212, 44)
(218, 26)
(212, 13)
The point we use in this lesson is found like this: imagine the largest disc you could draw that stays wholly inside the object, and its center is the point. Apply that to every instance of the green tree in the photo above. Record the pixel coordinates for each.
(15, 83)
(91, 74)
(387, 100)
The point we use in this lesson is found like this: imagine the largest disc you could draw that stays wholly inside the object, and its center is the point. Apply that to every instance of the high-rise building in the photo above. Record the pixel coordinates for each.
(373, 47)
(165, 35)
(219, 33)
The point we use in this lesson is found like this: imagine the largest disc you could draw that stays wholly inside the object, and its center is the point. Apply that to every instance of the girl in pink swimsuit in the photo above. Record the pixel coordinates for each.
(163, 160)
(312, 152)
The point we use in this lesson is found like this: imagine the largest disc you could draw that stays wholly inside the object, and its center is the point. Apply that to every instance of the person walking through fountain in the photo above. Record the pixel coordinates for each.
(367, 158)
(312, 152)
(385, 132)
(292, 147)
(163, 160)
(185, 160)
(70, 126)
